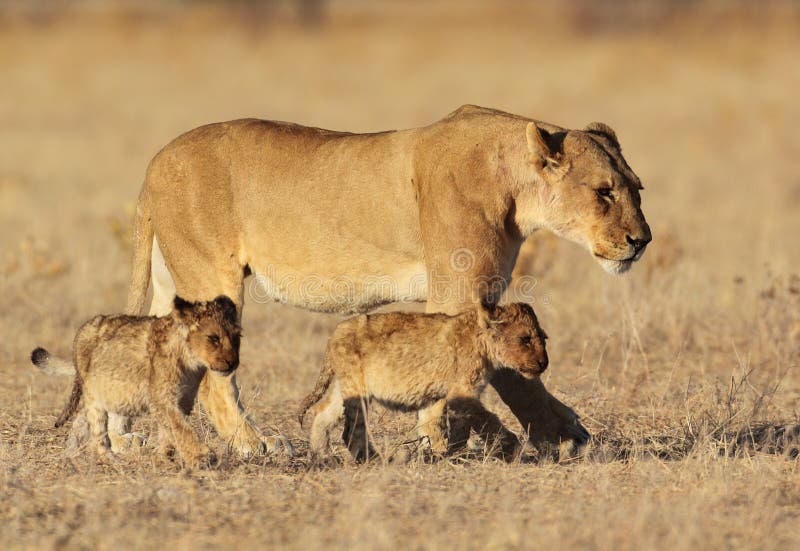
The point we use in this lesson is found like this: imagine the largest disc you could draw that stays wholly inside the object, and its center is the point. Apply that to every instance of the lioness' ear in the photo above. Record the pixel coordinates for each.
(604, 130)
(227, 306)
(544, 158)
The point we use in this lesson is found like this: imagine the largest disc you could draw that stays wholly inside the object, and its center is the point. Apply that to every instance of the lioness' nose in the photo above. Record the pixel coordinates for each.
(638, 244)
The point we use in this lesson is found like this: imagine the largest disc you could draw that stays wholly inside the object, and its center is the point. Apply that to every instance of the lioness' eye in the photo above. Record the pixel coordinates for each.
(214, 339)
(604, 193)
(526, 340)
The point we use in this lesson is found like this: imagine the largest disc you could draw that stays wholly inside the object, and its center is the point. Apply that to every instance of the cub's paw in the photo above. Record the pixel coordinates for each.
(206, 459)
(121, 443)
(249, 442)
(278, 445)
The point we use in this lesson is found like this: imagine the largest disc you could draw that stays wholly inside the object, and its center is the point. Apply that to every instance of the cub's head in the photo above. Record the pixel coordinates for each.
(213, 332)
(514, 338)
(588, 195)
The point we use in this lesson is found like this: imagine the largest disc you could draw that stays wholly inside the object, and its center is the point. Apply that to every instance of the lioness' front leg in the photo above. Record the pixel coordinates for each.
(549, 422)
(460, 277)
(219, 396)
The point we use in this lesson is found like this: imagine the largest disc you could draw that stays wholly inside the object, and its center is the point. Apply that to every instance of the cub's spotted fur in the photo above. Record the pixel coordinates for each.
(409, 362)
(127, 365)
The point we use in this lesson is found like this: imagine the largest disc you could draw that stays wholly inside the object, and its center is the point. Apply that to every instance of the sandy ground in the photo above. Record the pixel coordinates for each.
(668, 365)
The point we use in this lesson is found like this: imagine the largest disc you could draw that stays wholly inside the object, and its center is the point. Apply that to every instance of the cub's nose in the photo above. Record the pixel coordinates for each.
(543, 363)
(638, 244)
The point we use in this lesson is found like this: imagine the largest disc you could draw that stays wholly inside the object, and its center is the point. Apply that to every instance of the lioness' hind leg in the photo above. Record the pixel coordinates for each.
(163, 284)
(327, 416)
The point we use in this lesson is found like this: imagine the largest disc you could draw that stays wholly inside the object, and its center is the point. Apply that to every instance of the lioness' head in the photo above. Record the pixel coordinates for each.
(589, 194)
(214, 332)
(514, 338)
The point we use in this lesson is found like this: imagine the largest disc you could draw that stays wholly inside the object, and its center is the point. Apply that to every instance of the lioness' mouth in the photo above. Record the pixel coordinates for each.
(632, 258)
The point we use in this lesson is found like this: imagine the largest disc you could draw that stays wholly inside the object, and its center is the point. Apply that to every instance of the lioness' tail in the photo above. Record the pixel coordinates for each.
(142, 250)
(51, 365)
(323, 382)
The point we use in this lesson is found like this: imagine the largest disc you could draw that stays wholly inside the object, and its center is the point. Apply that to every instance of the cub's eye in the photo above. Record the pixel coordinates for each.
(604, 193)
(526, 340)
(214, 339)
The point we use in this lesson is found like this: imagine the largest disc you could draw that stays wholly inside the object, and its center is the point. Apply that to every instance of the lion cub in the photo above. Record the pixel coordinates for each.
(127, 365)
(408, 362)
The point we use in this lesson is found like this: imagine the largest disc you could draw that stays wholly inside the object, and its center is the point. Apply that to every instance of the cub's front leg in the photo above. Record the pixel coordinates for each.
(431, 427)
(172, 403)
(469, 414)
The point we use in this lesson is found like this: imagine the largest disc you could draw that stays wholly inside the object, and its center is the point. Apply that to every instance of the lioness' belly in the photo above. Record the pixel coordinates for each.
(341, 293)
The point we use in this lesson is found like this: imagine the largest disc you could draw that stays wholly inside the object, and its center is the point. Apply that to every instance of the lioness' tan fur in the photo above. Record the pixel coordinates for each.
(410, 361)
(340, 222)
(127, 365)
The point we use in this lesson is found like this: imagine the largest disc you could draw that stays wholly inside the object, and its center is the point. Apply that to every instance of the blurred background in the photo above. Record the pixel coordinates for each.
(703, 96)
(700, 341)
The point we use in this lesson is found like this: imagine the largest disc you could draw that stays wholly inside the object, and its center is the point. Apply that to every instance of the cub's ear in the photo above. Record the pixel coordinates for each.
(486, 315)
(181, 305)
(227, 306)
(544, 157)
(604, 130)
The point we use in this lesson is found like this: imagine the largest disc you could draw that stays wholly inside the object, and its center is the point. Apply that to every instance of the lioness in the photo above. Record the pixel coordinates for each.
(340, 222)
(407, 362)
(127, 365)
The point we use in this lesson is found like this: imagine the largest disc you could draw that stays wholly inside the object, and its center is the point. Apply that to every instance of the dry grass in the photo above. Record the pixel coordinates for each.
(682, 369)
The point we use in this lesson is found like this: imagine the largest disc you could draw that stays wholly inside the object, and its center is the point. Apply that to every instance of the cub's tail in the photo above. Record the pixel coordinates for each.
(323, 382)
(74, 401)
(51, 365)
(42, 359)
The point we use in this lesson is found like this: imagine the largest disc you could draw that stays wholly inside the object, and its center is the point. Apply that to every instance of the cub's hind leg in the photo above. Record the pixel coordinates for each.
(97, 417)
(356, 433)
(327, 416)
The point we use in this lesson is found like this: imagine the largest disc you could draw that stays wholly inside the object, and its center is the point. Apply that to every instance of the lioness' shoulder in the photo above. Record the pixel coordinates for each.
(470, 111)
